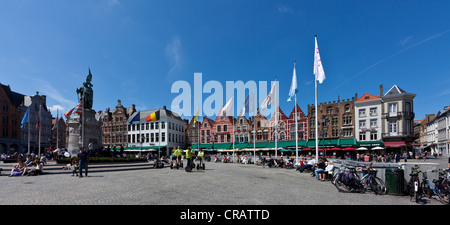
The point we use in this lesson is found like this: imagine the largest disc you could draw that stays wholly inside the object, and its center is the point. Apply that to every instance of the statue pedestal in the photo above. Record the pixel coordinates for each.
(92, 132)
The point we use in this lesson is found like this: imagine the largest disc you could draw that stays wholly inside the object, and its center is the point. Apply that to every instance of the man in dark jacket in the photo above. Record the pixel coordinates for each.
(83, 159)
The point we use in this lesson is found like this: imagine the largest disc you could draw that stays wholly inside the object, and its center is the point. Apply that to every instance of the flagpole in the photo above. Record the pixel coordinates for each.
(296, 126)
(159, 135)
(316, 122)
(57, 129)
(198, 136)
(39, 150)
(233, 135)
(28, 130)
(276, 121)
(254, 143)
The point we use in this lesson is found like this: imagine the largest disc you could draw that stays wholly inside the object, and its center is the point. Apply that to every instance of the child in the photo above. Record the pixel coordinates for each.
(74, 166)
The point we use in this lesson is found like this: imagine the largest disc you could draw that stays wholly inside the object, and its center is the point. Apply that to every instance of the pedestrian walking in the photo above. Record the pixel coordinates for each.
(83, 159)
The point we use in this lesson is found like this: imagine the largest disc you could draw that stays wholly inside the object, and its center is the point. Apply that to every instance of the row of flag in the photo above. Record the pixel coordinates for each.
(319, 73)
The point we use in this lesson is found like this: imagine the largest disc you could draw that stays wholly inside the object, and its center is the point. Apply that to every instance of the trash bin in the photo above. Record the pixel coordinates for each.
(395, 181)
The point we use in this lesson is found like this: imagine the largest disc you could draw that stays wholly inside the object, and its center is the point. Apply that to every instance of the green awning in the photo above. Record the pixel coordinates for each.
(370, 144)
(345, 143)
(280, 144)
(327, 143)
(301, 144)
(241, 145)
(223, 145)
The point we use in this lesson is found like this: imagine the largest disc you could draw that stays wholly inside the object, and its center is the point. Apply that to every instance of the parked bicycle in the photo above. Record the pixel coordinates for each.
(372, 182)
(413, 186)
(440, 189)
(347, 180)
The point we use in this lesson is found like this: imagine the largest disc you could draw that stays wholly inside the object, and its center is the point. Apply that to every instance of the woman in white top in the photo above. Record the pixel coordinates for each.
(330, 167)
(38, 169)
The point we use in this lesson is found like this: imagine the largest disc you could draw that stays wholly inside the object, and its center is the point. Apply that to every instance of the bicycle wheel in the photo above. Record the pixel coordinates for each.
(377, 185)
(426, 190)
(358, 186)
(340, 185)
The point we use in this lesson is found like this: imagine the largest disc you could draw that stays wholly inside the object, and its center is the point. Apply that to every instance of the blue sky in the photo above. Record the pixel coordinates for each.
(137, 49)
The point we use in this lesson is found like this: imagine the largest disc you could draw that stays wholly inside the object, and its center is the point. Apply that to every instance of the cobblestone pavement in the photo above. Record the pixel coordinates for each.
(219, 184)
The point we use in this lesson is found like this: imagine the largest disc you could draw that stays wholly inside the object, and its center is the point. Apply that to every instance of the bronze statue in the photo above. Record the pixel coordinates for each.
(85, 93)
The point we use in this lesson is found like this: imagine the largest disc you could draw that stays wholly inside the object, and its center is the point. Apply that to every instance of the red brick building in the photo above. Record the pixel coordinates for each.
(262, 127)
(223, 129)
(10, 119)
(302, 123)
(206, 131)
(282, 130)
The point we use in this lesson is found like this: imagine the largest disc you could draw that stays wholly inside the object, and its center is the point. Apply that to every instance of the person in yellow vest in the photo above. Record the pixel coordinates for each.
(179, 156)
(201, 158)
(189, 155)
(175, 155)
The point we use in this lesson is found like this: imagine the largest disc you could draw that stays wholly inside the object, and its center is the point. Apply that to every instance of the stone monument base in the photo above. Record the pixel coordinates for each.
(92, 132)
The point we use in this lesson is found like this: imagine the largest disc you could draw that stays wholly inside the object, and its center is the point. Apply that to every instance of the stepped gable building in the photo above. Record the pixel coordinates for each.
(302, 125)
(261, 124)
(243, 130)
(223, 129)
(34, 103)
(192, 131)
(207, 132)
(398, 120)
(10, 120)
(336, 119)
(281, 130)
(115, 125)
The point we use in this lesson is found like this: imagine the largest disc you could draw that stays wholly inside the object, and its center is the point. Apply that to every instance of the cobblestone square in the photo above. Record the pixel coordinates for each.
(219, 184)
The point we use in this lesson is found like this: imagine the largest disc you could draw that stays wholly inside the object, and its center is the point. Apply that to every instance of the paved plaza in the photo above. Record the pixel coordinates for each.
(219, 184)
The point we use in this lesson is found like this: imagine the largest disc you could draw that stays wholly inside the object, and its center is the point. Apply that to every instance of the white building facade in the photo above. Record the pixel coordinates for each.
(441, 126)
(398, 120)
(368, 123)
(164, 134)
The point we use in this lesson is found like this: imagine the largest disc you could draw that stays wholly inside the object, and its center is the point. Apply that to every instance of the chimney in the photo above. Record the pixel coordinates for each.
(164, 107)
(133, 108)
(381, 90)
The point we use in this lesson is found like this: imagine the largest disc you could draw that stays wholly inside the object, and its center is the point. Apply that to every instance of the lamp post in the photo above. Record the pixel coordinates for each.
(324, 123)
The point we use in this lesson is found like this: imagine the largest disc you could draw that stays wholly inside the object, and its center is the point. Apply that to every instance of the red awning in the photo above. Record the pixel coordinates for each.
(335, 149)
(349, 149)
(394, 144)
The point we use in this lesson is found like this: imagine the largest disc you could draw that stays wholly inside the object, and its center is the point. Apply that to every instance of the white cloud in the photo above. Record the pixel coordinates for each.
(112, 3)
(284, 9)
(173, 53)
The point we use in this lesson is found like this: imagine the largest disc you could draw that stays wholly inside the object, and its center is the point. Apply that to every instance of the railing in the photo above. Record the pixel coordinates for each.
(398, 114)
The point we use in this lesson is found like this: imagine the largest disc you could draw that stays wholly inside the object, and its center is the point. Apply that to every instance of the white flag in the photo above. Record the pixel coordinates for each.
(249, 103)
(294, 88)
(228, 109)
(270, 99)
(318, 68)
